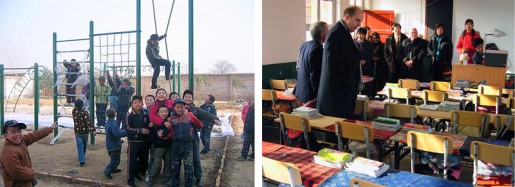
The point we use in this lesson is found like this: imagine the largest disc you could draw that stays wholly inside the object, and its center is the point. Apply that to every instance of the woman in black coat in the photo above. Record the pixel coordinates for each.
(365, 52)
(440, 48)
(381, 67)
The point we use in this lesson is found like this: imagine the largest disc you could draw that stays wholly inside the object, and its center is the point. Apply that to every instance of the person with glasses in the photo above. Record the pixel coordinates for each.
(381, 67)
(440, 50)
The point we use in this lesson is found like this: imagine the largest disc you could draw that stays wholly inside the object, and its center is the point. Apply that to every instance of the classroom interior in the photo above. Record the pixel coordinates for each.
(458, 125)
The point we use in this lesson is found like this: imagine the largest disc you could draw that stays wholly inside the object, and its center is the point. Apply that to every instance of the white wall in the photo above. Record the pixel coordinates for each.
(487, 15)
(408, 13)
(284, 26)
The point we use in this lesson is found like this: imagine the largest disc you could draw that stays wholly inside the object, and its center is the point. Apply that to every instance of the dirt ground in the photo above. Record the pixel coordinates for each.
(236, 172)
(61, 158)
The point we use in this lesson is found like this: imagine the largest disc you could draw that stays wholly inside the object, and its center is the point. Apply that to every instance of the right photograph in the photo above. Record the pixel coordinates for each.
(388, 93)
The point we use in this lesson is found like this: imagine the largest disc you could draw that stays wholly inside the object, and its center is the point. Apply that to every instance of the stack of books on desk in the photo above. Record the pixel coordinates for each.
(428, 107)
(368, 167)
(416, 127)
(387, 124)
(462, 84)
(311, 113)
(331, 158)
(449, 106)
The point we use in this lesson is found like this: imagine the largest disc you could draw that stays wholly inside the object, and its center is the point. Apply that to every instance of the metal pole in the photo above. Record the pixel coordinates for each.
(179, 79)
(173, 75)
(91, 76)
(138, 48)
(36, 96)
(54, 68)
(190, 36)
(2, 97)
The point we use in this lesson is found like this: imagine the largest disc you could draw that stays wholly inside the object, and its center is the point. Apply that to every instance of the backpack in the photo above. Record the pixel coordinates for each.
(294, 138)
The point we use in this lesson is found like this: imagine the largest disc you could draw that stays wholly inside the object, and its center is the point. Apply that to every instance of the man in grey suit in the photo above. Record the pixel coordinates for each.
(310, 63)
(341, 73)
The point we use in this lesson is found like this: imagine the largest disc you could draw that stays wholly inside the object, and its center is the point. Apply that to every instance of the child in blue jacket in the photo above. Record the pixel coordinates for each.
(113, 143)
(205, 132)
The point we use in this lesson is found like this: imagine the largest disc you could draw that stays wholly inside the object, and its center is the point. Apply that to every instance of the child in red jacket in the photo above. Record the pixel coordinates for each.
(161, 99)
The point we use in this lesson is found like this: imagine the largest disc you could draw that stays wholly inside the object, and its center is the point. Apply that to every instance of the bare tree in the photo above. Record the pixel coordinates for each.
(10, 57)
(46, 81)
(223, 67)
(237, 84)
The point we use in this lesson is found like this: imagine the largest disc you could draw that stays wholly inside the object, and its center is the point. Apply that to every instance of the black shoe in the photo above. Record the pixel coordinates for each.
(153, 87)
(137, 177)
(131, 183)
(203, 151)
(251, 158)
(117, 171)
(108, 176)
(82, 164)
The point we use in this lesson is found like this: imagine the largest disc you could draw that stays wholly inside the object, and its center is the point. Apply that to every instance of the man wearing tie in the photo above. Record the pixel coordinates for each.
(393, 53)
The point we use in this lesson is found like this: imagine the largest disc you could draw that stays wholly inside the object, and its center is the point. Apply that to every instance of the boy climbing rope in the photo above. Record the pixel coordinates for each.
(152, 52)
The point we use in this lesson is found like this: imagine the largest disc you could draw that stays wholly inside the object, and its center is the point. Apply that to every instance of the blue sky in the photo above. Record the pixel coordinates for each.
(224, 29)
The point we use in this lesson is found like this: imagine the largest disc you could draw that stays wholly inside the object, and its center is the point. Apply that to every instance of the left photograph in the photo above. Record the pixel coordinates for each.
(127, 93)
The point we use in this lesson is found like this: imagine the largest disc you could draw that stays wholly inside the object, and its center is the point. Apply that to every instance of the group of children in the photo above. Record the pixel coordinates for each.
(167, 130)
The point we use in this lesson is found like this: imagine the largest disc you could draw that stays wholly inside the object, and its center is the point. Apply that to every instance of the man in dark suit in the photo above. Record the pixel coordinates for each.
(310, 63)
(341, 73)
(393, 53)
(415, 50)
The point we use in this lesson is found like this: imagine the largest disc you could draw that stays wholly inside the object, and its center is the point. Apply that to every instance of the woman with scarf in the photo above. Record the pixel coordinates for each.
(440, 49)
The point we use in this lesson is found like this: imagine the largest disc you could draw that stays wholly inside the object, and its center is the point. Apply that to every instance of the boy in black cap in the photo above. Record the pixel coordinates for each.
(180, 129)
(187, 95)
(152, 52)
(15, 159)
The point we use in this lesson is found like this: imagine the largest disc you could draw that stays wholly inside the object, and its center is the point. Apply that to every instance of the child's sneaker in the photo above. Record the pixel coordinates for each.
(108, 176)
(82, 164)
